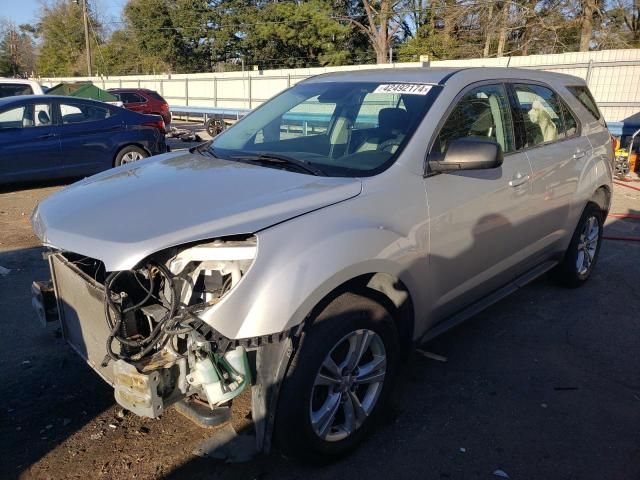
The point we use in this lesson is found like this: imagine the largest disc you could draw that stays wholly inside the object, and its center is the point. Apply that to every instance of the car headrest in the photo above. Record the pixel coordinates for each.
(390, 119)
(43, 118)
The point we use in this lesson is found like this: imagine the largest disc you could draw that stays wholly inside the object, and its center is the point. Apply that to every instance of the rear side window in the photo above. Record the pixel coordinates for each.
(80, 113)
(156, 95)
(583, 95)
(130, 97)
(545, 118)
(482, 112)
(13, 89)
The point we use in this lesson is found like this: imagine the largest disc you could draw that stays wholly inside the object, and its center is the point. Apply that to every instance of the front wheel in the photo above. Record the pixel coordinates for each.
(582, 254)
(339, 380)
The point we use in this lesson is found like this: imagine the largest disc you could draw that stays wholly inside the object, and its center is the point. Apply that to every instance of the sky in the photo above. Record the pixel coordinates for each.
(26, 11)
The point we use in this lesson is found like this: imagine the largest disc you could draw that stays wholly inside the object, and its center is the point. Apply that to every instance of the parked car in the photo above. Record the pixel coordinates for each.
(143, 100)
(17, 86)
(319, 238)
(44, 137)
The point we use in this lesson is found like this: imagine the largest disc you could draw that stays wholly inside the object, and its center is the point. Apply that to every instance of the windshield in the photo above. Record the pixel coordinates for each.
(339, 128)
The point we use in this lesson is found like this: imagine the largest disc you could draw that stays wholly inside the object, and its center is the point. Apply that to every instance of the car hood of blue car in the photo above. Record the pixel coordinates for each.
(123, 215)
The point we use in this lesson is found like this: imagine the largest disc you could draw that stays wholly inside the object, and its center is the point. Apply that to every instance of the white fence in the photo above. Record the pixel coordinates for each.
(613, 77)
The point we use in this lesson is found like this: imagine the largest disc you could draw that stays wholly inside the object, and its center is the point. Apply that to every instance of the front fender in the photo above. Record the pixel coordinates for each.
(301, 261)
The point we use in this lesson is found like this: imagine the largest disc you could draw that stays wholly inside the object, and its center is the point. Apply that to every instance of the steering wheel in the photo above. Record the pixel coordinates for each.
(387, 145)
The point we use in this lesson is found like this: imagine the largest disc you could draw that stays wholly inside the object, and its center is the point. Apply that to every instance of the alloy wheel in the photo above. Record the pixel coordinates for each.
(348, 385)
(131, 157)
(587, 245)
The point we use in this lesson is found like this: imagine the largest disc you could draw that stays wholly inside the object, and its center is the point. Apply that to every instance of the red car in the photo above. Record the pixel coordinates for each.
(143, 100)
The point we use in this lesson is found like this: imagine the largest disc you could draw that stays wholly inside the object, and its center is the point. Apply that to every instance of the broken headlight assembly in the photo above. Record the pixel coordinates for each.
(162, 350)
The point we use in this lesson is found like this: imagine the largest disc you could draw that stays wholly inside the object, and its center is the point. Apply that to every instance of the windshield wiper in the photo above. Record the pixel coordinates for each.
(278, 159)
(203, 149)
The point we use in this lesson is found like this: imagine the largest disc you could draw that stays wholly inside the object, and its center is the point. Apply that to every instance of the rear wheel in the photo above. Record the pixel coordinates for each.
(339, 380)
(129, 154)
(582, 254)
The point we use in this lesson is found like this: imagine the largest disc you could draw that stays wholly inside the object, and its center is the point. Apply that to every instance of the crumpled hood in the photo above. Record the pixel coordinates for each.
(125, 214)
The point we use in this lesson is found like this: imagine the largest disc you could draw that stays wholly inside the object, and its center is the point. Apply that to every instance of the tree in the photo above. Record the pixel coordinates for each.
(61, 33)
(17, 51)
(289, 34)
(383, 19)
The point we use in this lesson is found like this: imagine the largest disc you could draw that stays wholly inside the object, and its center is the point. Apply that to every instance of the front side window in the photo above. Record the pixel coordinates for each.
(542, 115)
(339, 128)
(481, 112)
(79, 113)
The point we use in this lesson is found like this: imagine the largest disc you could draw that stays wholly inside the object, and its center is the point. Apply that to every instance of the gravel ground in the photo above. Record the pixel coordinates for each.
(543, 385)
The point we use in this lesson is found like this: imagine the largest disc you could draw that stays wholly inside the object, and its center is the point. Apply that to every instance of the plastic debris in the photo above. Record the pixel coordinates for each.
(431, 355)
(4, 271)
(463, 450)
(501, 473)
(544, 405)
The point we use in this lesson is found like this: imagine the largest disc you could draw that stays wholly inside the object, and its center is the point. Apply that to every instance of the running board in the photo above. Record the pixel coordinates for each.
(487, 301)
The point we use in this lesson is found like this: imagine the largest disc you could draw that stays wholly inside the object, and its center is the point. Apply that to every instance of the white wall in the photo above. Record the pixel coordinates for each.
(612, 75)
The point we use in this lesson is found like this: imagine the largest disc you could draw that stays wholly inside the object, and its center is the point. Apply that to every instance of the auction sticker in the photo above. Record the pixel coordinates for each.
(406, 88)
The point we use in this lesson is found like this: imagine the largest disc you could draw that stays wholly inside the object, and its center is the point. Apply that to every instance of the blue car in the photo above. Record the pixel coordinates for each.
(45, 137)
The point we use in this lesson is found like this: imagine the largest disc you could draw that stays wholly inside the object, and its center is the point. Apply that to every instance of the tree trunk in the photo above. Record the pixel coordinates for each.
(502, 35)
(587, 25)
(487, 40)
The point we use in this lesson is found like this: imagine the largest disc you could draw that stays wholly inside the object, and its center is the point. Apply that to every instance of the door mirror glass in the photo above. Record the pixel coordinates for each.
(467, 153)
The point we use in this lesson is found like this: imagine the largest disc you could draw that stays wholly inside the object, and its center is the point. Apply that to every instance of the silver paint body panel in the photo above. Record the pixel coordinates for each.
(451, 239)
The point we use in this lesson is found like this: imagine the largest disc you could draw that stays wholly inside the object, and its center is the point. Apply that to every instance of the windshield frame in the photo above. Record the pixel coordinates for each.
(333, 170)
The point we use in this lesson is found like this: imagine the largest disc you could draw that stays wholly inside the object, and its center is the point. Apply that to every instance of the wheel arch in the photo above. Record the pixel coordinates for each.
(384, 288)
(602, 197)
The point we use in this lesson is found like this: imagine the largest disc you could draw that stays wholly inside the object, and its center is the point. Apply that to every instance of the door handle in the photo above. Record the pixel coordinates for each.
(519, 179)
(578, 155)
(45, 136)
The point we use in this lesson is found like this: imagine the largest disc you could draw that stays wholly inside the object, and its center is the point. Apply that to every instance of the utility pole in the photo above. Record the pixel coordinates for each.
(87, 44)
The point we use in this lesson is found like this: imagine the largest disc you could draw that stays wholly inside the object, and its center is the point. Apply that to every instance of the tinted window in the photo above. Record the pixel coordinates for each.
(541, 111)
(12, 89)
(79, 113)
(570, 124)
(130, 97)
(482, 112)
(156, 95)
(584, 97)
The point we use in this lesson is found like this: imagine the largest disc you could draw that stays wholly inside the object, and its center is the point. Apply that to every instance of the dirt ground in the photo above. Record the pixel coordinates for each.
(543, 385)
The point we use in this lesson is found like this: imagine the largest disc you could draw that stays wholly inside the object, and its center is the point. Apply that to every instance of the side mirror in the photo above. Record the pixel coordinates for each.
(467, 153)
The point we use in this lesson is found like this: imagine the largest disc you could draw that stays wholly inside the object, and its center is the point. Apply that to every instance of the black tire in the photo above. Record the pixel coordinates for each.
(568, 272)
(348, 314)
(129, 151)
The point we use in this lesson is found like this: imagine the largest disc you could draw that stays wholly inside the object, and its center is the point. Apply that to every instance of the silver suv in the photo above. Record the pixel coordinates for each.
(302, 252)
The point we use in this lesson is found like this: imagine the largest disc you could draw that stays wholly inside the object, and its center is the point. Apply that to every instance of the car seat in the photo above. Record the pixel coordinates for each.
(392, 124)
(43, 118)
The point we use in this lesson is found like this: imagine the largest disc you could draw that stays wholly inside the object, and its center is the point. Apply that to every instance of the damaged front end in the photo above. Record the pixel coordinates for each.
(141, 329)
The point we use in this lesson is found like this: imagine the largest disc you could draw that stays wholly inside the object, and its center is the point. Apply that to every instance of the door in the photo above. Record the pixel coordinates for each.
(133, 101)
(87, 136)
(479, 219)
(29, 142)
(557, 154)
